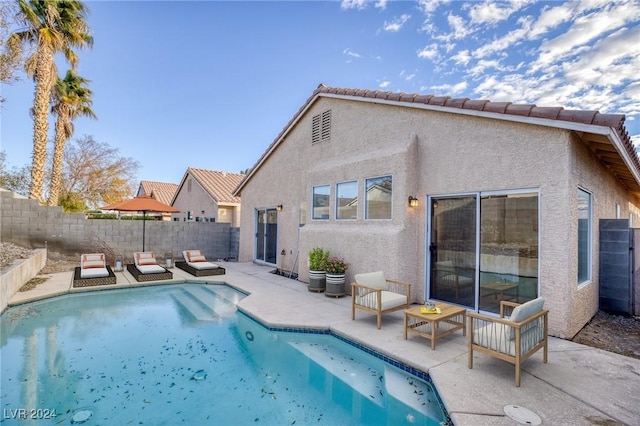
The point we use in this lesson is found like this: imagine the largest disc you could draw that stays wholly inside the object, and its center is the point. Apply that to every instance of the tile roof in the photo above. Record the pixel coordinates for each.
(161, 191)
(219, 185)
(607, 153)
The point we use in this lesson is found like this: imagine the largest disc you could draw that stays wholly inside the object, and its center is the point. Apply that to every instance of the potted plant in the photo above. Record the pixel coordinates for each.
(335, 271)
(317, 262)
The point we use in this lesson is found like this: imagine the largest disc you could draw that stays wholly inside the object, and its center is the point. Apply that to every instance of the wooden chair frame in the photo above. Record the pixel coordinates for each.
(374, 296)
(530, 335)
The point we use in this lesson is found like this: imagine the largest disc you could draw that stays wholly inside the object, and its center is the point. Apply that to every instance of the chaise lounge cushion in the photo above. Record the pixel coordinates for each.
(94, 272)
(147, 264)
(196, 259)
(150, 269)
(93, 265)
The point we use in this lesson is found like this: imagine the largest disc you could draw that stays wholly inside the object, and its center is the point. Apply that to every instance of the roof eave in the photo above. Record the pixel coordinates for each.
(609, 133)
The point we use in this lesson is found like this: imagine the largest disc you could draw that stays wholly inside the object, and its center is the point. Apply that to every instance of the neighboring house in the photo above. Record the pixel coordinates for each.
(207, 196)
(508, 196)
(160, 191)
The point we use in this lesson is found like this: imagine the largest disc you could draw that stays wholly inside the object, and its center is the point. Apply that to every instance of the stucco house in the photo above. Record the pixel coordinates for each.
(471, 201)
(207, 196)
(160, 191)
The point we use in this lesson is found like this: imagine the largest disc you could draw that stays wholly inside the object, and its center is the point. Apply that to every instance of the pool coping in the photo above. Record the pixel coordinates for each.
(579, 384)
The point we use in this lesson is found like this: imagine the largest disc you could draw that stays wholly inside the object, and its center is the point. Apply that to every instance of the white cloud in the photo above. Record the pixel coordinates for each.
(428, 52)
(381, 4)
(459, 27)
(550, 18)
(462, 57)
(608, 62)
(353, 4)
(585, 29)
(384, 84)
(362, 4)
(490, 12)
(406, 76)
(396, 24)
(349, 52)
(450, 89)
(429, 6)
(504, 43)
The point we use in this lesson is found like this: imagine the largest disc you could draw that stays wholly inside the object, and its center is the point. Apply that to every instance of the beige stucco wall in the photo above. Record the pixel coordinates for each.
(430, 153)
(195, 200)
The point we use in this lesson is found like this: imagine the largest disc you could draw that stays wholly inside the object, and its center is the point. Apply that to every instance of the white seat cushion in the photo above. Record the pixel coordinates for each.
(150, 269)
(203, 265)
(496, 337)
(94, 273)
(389, 300)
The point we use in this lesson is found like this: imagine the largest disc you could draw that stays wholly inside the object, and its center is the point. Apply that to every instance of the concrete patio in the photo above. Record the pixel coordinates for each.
(579, 385)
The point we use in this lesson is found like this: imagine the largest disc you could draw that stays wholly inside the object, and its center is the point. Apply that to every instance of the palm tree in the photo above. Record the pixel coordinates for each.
(53, 26)
(71, 98)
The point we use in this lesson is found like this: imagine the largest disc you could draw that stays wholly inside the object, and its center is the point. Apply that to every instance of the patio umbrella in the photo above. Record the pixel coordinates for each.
(144, 204)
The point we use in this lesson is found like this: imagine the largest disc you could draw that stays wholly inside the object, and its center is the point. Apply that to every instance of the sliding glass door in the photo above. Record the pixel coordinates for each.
(483, 248)
(266, 235)
(508, 249)
(452, 249)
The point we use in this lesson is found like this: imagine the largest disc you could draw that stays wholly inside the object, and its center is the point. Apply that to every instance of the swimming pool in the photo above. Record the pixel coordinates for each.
(182, 354)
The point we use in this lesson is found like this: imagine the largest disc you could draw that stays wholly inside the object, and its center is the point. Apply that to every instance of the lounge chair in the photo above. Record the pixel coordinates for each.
(373, 293)
(196, 264)
(511, 338)
(146, 268)
(93, 270)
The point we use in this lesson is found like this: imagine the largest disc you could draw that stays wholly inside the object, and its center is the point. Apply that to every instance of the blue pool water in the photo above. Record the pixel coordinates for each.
(182, 354)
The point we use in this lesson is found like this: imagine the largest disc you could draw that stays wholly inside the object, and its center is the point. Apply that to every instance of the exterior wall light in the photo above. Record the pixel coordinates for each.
(413, 201)
(279, 207)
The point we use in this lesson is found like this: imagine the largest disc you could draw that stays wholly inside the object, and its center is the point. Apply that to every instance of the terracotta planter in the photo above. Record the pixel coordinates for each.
(317, 281)
(335, 285)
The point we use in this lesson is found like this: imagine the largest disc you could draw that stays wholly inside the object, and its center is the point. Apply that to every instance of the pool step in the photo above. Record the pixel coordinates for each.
(195, 308)
(214, 299)
(341, 365)
(411, 392)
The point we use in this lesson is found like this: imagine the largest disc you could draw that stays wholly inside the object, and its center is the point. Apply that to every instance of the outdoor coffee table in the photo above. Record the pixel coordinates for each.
(499, 289)
(436, 325)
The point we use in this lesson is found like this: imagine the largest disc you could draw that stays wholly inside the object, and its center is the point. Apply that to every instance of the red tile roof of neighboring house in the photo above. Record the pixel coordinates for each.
(627, 174)
(161, 191)
(219, 185)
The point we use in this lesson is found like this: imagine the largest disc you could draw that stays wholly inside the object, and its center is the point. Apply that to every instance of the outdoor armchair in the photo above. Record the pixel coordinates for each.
(373, 293)
(512, 338)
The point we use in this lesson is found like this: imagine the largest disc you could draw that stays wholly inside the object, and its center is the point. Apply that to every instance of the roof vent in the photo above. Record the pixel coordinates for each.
(321, 127)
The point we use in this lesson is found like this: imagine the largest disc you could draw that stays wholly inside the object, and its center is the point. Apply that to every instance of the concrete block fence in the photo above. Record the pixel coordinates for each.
(65, 235)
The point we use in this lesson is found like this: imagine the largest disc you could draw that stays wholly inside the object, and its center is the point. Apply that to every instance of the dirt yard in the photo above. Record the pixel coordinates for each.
(614, 333)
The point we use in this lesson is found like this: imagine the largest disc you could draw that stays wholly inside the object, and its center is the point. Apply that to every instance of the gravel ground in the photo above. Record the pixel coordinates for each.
(614, 333)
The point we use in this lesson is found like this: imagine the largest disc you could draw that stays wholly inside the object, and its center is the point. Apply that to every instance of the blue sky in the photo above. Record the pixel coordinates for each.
(210, 84)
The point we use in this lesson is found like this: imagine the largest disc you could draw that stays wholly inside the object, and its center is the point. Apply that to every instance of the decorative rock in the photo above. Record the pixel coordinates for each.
(199, 375)
(81, 416)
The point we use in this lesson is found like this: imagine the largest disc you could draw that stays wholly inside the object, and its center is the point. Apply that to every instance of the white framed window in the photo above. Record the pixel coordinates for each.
(378, 197)
(585, 224)
(320, 202)
(347, 200)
